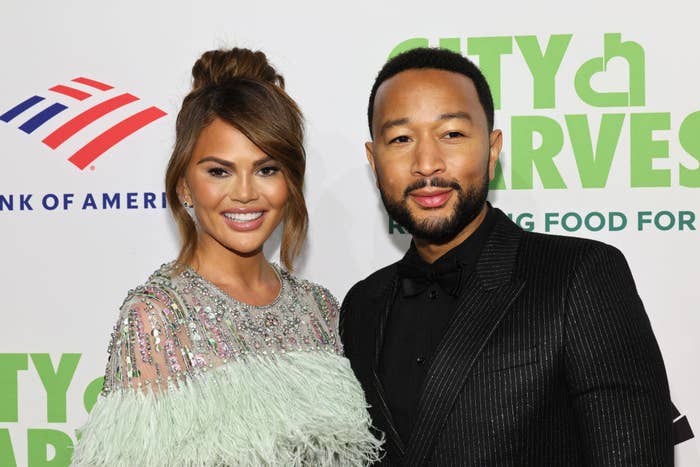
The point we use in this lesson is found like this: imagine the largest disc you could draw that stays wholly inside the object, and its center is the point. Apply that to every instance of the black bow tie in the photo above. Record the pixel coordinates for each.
(415, 279)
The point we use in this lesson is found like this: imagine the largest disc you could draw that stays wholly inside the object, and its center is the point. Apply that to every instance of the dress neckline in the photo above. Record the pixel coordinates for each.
(275, 267)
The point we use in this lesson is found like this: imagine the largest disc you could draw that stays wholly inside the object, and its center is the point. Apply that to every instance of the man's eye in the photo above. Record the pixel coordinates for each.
(217, 172)
(268, 171)
(400, 139)
(454, 134)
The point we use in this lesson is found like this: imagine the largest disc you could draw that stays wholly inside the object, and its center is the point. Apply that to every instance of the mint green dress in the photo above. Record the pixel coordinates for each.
(197, 378)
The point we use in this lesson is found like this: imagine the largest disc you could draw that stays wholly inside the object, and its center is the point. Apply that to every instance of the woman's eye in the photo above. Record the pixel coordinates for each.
(400, 139)
(268, 171)
(217, 172)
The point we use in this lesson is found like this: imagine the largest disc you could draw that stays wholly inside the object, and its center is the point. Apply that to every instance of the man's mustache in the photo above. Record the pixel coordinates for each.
(436, 182)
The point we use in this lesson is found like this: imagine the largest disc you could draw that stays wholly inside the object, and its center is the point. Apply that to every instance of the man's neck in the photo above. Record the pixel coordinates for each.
(431, 252)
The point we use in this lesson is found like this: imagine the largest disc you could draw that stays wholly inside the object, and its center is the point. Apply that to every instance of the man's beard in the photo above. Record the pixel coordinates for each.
(439, 231)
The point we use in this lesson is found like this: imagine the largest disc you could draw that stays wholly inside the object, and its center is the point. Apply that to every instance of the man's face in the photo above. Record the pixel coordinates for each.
(432, 154)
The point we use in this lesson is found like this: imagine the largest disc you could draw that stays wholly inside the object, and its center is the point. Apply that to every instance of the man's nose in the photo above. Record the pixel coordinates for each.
(428, 159)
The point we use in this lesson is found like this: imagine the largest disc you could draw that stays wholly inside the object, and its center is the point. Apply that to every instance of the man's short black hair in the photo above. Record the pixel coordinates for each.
(439, 59)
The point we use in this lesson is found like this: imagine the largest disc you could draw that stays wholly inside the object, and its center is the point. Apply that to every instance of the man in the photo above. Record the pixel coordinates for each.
(487, 345)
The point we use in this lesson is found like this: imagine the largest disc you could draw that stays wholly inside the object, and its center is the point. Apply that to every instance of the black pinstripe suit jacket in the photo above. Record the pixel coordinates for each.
(549, 360)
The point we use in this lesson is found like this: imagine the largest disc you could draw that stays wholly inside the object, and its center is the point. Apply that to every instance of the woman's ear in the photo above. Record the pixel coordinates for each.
(183, 193)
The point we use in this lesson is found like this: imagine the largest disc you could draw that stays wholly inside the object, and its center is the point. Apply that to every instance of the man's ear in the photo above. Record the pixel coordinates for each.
(369, 149)
(495, 145)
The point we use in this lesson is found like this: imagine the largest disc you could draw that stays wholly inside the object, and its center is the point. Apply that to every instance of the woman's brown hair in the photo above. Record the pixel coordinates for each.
(240, 87)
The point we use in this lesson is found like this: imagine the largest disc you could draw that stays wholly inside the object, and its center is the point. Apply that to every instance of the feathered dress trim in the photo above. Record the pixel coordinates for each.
(299, 408)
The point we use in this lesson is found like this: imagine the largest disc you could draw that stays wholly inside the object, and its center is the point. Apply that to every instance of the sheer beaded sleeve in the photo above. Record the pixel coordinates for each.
(329, 310)
(146, 350)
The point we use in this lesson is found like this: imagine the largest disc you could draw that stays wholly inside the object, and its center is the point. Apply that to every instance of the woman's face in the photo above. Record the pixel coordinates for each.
(238, 192)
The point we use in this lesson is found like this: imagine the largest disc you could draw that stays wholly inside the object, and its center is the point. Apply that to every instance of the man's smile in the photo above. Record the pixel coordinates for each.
(431, 198)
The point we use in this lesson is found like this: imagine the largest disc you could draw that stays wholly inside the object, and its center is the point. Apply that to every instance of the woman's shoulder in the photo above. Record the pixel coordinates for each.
(163, 279)
(154, 320)
(163, 293)
(319, 294)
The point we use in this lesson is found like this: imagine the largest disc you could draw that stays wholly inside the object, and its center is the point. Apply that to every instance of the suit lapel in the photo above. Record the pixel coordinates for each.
(486, 296)
(394, 444)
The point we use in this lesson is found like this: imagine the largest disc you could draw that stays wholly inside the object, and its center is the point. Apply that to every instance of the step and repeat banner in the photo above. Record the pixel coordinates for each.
(598, 102)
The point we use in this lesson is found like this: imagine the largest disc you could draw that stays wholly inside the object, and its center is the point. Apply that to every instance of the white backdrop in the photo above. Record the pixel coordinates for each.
(65, 271)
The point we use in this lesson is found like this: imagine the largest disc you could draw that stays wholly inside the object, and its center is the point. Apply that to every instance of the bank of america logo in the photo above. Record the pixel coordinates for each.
(80, 90)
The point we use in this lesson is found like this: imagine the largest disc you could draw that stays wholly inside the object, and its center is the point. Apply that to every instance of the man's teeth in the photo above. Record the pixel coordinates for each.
(243, 216)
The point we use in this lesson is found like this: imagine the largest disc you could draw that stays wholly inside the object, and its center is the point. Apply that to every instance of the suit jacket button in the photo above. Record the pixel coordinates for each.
(420, 360)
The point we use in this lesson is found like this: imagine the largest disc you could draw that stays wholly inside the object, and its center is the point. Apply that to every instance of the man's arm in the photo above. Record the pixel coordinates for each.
(615, 372)
(345, 308)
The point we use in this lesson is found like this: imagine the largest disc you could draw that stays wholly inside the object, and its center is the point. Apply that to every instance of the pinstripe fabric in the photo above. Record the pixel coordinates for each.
(549, 361)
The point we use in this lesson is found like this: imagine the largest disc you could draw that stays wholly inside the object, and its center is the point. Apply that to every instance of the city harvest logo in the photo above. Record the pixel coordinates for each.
(544, 145)
(38, 110)
(48, 443)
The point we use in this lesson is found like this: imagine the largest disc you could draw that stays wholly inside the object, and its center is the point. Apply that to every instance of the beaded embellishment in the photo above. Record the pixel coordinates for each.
(178, 325)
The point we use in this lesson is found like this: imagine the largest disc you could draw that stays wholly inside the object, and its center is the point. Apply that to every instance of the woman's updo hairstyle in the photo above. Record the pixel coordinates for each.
(219, 66)
(240, 87)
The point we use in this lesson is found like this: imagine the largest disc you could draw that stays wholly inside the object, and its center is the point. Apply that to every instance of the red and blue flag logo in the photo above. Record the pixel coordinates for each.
(81, 89)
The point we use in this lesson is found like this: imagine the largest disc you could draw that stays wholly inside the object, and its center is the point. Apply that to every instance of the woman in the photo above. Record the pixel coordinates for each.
(222, 358)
